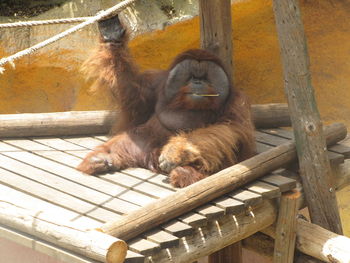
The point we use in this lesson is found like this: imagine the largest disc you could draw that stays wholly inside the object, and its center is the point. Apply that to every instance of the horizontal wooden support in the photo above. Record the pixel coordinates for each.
(92, 244)
(98, 122)
(218, 234)
(216, 185)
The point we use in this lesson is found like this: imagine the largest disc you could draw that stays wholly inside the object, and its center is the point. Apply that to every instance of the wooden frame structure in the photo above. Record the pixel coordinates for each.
(207, 217)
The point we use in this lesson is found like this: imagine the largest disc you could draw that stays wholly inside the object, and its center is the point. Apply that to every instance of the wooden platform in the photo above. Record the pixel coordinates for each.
(38, 174)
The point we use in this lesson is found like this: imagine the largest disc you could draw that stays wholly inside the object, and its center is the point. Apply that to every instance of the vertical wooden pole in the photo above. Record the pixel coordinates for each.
(216, 36)
(286, 227)
(310, 143)
(216, 29)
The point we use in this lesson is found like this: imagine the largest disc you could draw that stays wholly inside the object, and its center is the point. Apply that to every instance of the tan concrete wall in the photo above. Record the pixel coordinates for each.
(50, 80)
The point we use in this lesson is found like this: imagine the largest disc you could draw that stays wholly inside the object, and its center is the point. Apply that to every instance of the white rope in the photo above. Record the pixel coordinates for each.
(99, 16)
(45, 22)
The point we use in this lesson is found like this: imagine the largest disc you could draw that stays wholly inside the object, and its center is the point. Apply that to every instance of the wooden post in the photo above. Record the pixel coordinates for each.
(311, 148)
(192, 196)
(216, 28)
(286, 227)
(216, 36)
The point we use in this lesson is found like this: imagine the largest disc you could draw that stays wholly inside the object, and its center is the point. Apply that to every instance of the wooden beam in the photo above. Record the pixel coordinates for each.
(92, 244)
(216, 27)
(286, 227)
(311, 148)
(216, 185)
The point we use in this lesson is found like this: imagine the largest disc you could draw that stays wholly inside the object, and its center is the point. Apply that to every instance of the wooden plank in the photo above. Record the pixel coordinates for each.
(122, 179)
(85, 142)
(136, 198)
(262, 147)
(4, 147)
(143, 246)
(246, 197)
(61, 157)
(80, 154)
(284, 183)
(132, 257)
(162, 180)
(123, 207)
(52, 181)
(59, 144)
(269, 139)
(341, 147)
(310, 141)
(230, 205)
(43, 192)
(194, 219)
(140, 173)
(103, 215)
(178, 228)
(66, 172)
(153, 190)
(211, 212)
(287, 134)
(103, 138)
(267, 191)
(273, 140)
(27, 144)
(164, 239)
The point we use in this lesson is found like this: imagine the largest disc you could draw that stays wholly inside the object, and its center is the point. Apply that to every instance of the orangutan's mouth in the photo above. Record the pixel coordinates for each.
(206, 95)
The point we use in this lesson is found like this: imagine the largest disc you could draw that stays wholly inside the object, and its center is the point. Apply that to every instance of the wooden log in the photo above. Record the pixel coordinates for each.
(318, 242)
(286, 227)
(271, 115)
(100, 122)
(311, 147)
(217, 235)
(92, 244)
(216, 185)
(56, 123)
